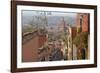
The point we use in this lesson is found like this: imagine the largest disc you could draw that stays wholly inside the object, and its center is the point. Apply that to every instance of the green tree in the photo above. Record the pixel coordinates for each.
(81, 39)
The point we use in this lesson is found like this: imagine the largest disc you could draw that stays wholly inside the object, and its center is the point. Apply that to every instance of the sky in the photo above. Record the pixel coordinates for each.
(53, 17)
(47, 13)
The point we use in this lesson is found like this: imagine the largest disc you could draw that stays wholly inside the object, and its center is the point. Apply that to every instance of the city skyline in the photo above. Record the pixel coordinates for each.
(53, 18)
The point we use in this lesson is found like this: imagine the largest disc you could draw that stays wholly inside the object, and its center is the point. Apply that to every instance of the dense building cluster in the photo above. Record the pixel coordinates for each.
(65, 42)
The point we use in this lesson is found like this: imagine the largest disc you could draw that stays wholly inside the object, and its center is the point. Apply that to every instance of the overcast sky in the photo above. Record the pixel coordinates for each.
(52, 17)
(47, 13)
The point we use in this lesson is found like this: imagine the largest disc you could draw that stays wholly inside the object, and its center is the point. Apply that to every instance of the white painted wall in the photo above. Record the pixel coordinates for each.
(5, 36)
